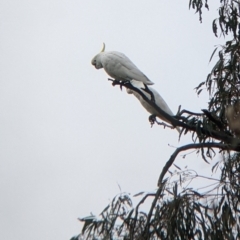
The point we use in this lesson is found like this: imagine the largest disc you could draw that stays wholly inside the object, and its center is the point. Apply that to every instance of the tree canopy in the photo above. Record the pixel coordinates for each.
(178, 211)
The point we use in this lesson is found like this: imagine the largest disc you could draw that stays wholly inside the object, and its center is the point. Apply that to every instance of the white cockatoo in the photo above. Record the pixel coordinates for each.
(118, 66)
(158, 100)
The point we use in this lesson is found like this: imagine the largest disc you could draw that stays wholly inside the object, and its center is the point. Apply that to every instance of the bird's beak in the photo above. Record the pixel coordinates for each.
(95, 65)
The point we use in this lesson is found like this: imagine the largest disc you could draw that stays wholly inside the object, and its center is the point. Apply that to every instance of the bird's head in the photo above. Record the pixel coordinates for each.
(96, 61)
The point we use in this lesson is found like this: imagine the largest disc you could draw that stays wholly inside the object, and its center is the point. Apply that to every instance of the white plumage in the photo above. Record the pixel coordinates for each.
(119, 66)
(159, 101)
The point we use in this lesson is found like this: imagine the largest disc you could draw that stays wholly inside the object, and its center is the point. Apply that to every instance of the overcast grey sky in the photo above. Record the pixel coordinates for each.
(67, 137)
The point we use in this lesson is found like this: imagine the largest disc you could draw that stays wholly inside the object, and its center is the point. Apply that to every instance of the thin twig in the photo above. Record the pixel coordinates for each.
(189, 112)
(161, 182)
(136, 210)
(187, 147)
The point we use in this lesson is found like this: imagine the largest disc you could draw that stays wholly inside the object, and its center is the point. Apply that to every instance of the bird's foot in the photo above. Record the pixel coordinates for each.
(152, 119)
(164, 125)
(115, 82)
(119, 82)
(147, 90)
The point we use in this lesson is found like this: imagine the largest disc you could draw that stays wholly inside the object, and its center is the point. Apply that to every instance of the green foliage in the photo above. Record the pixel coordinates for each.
(177, 210)
(180, 212)
(222, 82)
(198, 5)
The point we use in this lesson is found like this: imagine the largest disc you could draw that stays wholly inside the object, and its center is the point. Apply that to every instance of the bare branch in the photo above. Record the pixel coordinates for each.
(191, 113)
(161, 183)
(221, 136)
(187, 147)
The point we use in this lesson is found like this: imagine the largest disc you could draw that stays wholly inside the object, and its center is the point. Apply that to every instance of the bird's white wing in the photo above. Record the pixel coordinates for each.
(160, 101)
(121, 67)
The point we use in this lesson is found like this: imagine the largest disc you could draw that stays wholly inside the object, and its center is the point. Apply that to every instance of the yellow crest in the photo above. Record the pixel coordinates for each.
(103, 49)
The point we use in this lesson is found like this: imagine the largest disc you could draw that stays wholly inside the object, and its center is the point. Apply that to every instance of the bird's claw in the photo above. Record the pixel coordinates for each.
(115, 82)
(119, 82)
(152, 119)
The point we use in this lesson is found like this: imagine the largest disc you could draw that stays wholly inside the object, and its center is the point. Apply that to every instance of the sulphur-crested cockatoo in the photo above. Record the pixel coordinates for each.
(158, 100)
(119, 67)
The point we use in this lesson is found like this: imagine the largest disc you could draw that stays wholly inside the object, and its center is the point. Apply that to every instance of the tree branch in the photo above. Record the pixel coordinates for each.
(187, 147)
(191, 113)
(213, 119)
(221, 136)
(161, 182)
